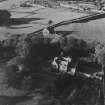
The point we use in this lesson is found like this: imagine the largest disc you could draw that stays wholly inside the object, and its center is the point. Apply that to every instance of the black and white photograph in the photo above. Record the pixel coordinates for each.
(52, 52)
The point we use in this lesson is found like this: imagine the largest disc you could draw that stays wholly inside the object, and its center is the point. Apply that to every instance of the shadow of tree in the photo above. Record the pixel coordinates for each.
(64, 33)
(19, 21)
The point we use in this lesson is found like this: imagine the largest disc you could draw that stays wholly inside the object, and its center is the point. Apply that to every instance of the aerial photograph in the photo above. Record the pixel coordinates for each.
(52, 52)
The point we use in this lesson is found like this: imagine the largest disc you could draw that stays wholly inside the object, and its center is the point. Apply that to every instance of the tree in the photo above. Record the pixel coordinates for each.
(75, 47)
(100, 55)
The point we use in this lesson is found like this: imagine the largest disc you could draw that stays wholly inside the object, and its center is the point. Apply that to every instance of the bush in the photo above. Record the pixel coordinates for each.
(16, 79)
(13, 78)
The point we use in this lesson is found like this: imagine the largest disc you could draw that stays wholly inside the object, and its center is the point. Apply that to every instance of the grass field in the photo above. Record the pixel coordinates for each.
(91, 30)
(28, 20)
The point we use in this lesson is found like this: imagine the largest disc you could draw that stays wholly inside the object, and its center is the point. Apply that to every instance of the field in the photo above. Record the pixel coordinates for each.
(27, 20)
(90, 30)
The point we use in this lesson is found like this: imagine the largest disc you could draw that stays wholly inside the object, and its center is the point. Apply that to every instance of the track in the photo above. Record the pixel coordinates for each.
(77, 20)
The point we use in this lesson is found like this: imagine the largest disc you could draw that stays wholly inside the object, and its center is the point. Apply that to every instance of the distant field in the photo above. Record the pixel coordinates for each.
(31, 14)
(28, 20)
